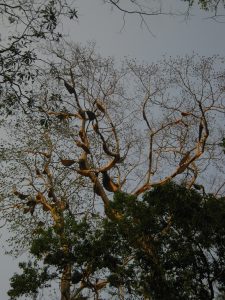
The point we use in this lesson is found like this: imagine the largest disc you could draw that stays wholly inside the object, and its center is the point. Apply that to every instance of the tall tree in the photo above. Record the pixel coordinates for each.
(170, 245)
(97, 131)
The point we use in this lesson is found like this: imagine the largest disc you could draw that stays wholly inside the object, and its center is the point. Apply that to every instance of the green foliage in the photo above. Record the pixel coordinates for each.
(27, 22)
(48, 244)
(184, 235)
(29, 281)
(168, 245)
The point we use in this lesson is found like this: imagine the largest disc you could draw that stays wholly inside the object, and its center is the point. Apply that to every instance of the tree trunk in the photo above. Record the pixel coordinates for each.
(65, 283)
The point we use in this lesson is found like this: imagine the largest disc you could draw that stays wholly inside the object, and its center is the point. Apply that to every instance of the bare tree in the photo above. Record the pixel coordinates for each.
(96, 130)
(166, 120)
(27, 23)
(137, 127)
(142, 9)
(146, 10)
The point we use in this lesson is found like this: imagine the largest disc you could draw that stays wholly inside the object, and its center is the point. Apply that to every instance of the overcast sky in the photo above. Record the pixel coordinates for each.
(170, 36)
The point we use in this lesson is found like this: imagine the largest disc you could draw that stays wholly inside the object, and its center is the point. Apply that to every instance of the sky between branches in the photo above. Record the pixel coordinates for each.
(169, 36)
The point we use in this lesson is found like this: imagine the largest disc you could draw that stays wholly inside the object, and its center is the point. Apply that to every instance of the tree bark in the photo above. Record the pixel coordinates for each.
(65, 283)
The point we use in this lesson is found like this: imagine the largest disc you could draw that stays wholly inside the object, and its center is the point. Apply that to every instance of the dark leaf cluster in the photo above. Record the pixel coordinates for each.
(168, 245)
(28, 283)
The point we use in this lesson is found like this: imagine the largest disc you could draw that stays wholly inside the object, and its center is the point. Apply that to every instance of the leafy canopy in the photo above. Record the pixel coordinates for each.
(168, 245)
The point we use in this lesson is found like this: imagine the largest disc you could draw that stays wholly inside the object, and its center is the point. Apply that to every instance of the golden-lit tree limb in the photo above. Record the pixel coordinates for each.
(112, 141)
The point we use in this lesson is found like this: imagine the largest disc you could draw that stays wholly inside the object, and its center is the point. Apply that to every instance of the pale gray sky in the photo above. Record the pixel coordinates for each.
(173, 36)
